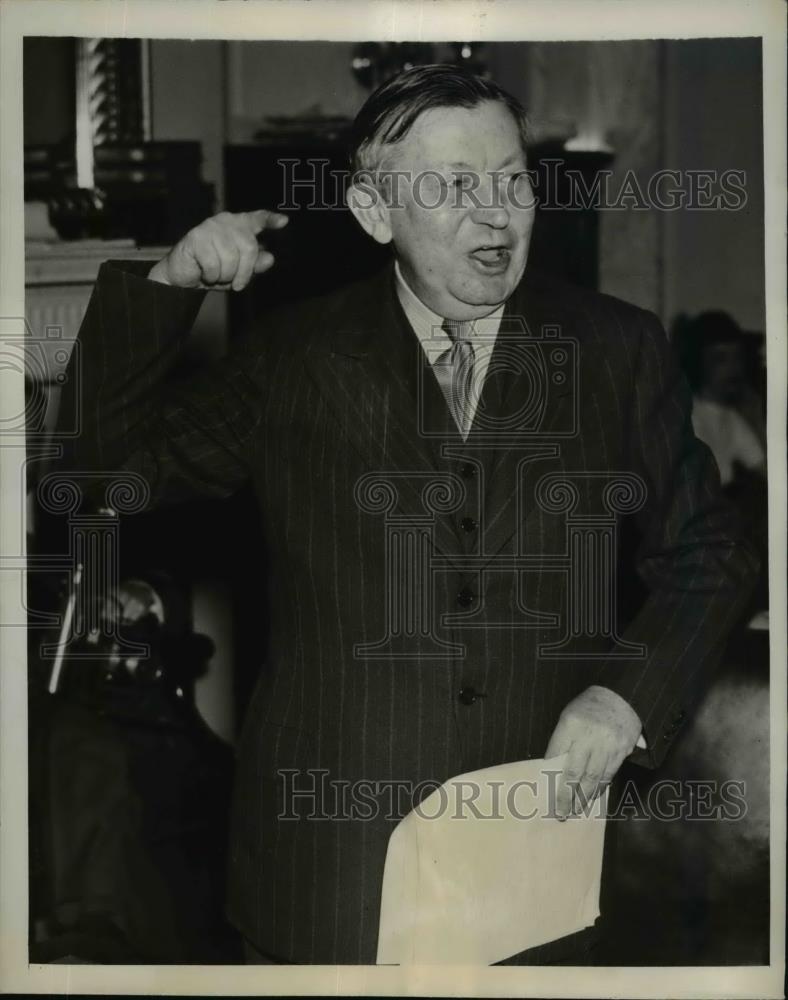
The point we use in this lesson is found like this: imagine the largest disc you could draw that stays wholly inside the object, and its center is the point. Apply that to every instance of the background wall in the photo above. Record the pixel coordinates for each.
(48, 90)
(283, 78)
(189, 99)
(713, 120)
(606, 96)
(679, 105)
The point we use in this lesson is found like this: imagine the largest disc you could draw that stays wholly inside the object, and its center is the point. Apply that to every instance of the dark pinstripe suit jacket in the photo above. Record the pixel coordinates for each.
(330, 391)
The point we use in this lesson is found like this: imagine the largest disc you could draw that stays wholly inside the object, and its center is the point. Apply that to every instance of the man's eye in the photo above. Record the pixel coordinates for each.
(519, 185)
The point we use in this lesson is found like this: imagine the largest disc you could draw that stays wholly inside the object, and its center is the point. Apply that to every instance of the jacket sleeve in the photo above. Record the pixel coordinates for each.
(698, 570)
(187, 438)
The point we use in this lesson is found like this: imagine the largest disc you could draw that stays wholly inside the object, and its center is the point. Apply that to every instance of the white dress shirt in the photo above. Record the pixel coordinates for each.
(428, 327)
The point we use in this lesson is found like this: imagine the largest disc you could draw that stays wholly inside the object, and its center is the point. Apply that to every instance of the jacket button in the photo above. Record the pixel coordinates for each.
(467, 470)
(468, 695)
(468, 524)
(466, 598)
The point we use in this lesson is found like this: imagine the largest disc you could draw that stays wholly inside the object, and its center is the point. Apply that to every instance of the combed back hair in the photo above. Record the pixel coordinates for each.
(390, 112)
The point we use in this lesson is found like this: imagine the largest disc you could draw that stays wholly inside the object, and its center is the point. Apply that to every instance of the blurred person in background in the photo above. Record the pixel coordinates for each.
(728, 414)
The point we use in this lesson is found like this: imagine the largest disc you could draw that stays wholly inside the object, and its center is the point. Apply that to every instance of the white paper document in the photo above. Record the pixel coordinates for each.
(480, 871)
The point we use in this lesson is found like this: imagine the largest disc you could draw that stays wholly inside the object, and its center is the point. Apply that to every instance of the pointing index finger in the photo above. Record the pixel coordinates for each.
(263, 219)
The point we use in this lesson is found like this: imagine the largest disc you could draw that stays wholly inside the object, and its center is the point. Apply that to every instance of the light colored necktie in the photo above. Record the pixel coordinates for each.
(454, 371)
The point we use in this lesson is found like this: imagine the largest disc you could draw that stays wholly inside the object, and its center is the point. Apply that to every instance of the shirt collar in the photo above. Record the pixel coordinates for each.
(428, 325)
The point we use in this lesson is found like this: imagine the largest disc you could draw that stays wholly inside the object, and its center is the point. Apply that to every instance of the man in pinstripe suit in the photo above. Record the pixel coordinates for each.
(456, 398)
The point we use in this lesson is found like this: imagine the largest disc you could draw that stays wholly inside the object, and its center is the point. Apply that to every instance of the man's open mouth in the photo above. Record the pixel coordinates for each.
(492, 257)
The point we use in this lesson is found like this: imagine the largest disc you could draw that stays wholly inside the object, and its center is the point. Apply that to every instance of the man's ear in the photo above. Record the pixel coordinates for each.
(370, 209)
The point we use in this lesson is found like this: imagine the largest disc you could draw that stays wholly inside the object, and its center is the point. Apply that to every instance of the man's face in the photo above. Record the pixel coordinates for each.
(462, 251)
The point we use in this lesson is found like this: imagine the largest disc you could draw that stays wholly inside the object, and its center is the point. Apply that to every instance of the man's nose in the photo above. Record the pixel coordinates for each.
(496, 216)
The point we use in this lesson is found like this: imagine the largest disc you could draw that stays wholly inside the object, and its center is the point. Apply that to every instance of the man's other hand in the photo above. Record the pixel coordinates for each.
(221, 253)
(598, 729)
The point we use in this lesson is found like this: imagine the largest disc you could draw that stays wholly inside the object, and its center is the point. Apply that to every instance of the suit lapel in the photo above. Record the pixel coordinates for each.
(371, 371)
(536, 398)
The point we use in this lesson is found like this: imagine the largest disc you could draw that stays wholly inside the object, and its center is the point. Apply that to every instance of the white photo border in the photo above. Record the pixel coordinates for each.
(347, 20)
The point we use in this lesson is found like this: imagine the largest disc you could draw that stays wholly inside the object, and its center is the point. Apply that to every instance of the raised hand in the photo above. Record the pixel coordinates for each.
(221, 253)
